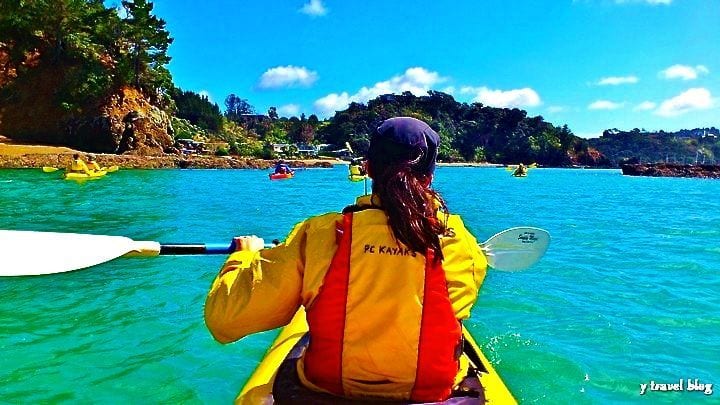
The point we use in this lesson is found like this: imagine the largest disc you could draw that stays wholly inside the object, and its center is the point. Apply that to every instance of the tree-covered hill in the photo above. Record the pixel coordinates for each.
(470, 132)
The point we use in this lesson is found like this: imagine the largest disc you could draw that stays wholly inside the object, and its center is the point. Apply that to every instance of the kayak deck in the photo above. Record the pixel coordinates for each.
(280, 176)
(258, 388)
(78, 176)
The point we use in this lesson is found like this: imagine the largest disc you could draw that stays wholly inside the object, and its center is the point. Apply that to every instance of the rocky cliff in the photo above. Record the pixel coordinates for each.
(122, 121)
(671, 170)
(126, 123)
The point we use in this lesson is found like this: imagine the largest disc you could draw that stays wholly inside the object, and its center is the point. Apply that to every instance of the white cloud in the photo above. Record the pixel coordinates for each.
(605, 105)
(645, 106)
(287, 76)
(525, 97)
(690, 100)
(288, 110)
(683, 72)
(416, 80)
(332, 102)
(617, 80)
(314, 8)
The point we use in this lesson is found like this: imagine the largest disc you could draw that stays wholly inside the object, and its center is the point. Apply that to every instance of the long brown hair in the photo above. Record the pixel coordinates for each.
(409, 203)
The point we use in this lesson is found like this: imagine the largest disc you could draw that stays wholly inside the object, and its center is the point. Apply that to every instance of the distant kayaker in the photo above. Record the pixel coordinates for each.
(78, 165)
(357, 168)
(520, 171)
(93, 164)
(282, 168)
(385, 285)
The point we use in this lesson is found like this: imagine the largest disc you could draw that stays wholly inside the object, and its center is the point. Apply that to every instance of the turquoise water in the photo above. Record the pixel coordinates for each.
(627, 293)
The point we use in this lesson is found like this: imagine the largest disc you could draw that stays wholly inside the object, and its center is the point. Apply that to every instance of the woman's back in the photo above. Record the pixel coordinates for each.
(384, 316)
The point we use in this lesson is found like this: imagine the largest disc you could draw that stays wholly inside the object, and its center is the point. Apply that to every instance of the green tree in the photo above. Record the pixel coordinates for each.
(235, 107)
(69, 41)
(197, 109)
(146, 42)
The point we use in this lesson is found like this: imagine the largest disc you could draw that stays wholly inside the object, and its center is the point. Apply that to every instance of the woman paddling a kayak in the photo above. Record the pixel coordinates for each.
(385, 285)
(78, 165)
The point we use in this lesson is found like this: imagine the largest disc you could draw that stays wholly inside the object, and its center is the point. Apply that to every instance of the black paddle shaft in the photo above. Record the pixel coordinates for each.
(194, 249)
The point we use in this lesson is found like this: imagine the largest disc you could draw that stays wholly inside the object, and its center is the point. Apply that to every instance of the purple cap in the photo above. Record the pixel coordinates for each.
(405, 139)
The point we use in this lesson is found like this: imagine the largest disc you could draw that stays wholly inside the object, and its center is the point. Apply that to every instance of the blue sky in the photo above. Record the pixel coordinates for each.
(590, 64)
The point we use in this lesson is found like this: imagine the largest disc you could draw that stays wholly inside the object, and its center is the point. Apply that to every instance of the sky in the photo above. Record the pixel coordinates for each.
(589, 64)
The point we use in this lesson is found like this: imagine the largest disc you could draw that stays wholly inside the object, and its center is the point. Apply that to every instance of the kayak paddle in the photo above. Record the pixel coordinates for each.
(48, 169)
(516, 249)
(514, 167)
(30, 253)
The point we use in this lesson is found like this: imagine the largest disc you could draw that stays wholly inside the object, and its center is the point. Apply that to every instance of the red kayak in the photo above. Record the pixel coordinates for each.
(280, 176)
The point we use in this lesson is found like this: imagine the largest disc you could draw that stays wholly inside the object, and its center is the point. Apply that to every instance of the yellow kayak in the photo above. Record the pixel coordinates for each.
(258, 388)
(84, 176)
(356, 173)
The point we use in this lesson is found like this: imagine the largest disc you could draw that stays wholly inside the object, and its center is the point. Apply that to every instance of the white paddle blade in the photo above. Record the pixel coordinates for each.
(29, 253)
(516, 249)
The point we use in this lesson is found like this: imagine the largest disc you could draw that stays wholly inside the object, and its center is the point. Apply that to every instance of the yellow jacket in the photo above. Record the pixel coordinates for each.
(356, 170)
(257, 291)
(78, 165)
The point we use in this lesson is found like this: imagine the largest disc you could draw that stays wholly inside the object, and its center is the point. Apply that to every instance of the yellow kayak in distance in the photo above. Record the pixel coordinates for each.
(356, 173)
(516, 172)
(258, 388)
(94, 174)
(84, 176)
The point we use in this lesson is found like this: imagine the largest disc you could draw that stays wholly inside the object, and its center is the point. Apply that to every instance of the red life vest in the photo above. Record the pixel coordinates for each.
(439, 341)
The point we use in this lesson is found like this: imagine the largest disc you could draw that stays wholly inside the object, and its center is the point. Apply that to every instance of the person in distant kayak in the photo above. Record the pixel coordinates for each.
(357, 168)
(92, 163)
(282, 168)
(520, 171)
(78, 165)
(385, 284)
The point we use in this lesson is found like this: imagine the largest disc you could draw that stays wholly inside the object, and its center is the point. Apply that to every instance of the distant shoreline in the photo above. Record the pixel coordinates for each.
(18, 155)
(29, 161)
(14, 155)
(468, 164)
